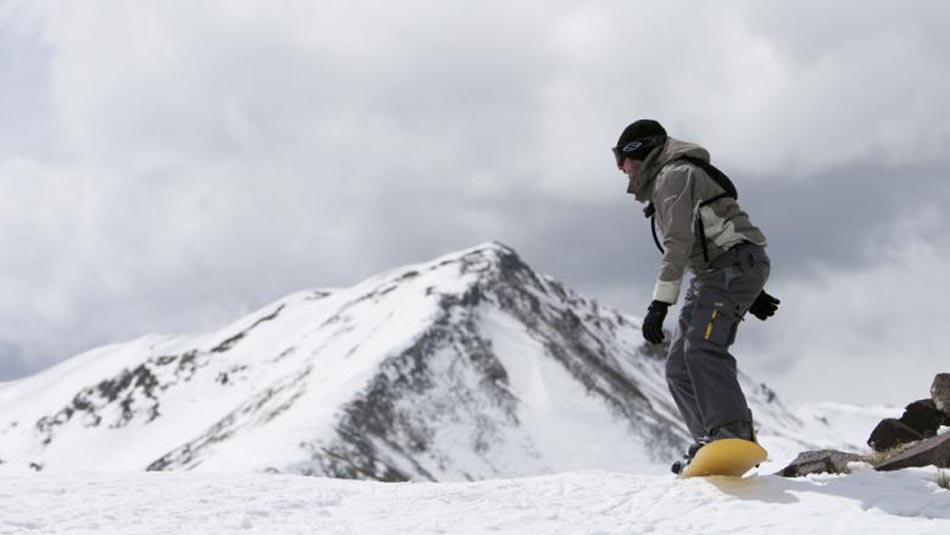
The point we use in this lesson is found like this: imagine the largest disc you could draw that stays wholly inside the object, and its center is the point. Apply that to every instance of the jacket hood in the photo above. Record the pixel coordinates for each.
(641, 184)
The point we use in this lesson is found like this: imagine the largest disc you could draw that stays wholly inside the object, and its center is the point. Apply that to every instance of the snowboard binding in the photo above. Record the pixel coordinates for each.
(679, 465)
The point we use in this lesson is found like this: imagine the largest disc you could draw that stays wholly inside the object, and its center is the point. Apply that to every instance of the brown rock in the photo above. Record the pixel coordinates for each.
(891, 433)
(931, 451)
(819, 462)
(940, 393)
(924, 417)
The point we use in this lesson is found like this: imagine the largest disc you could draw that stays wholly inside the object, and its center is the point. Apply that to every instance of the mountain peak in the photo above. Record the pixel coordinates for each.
(489, 247)
(483, 258)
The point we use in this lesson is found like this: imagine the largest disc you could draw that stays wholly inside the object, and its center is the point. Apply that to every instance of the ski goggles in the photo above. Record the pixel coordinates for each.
(637, 149)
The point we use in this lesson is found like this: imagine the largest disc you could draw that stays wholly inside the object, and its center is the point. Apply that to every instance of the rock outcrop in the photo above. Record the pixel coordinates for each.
(940, 392)
(911, 440)
(931, 451)
(891, 433)
(921, 419)
(820, 462)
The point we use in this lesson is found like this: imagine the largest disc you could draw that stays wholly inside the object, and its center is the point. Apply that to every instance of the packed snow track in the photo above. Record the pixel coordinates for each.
(866, 502)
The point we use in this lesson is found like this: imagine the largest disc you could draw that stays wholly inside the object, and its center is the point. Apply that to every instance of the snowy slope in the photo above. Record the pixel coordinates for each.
(843, 424)
(468, 367)
(600, 503)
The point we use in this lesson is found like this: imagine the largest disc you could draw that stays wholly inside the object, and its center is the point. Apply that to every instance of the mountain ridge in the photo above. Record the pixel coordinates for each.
(467, 367)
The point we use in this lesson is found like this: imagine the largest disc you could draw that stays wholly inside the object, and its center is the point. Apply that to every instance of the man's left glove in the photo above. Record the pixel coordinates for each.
(653, 322)
(764, 306)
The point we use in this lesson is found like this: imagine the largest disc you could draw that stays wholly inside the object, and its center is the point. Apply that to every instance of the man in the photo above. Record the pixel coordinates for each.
(705, 232)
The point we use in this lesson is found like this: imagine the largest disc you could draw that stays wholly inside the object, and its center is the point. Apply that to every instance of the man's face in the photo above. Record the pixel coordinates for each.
(631, 167)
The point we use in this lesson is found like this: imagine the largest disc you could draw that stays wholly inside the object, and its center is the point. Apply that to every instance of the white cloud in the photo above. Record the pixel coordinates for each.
(166, 164)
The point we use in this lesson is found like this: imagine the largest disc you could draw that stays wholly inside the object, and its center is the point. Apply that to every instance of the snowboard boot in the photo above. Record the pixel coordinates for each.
(740, 429)
(679, 465)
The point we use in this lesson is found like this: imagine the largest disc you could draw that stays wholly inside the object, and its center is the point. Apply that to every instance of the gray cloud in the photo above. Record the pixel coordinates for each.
(843, 218)
(166, 166)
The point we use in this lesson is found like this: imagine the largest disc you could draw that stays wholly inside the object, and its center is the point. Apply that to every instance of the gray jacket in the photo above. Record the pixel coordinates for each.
(676, 188)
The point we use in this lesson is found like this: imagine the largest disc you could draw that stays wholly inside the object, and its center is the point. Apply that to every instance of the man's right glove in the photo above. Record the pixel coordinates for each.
(653, 322)
(764, 306)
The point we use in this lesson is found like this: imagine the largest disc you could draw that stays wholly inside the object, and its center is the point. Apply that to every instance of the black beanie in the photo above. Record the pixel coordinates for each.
(647, 132)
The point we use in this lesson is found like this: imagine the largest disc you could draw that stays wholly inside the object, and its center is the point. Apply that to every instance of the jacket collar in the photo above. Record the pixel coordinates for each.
(642, 184)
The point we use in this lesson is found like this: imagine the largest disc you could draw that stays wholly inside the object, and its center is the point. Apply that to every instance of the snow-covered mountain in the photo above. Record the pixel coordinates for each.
(468, 367)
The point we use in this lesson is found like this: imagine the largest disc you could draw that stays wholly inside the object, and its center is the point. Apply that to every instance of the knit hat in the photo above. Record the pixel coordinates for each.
(638, 139)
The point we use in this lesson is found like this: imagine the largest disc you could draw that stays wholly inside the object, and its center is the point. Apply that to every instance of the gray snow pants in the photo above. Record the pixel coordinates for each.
(700, 371)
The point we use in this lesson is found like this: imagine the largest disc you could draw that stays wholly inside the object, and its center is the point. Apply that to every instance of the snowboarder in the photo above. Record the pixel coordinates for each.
(694, 207)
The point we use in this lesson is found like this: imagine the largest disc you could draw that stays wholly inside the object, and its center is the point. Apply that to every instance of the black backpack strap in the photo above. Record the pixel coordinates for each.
(650, 213)
(656, 240)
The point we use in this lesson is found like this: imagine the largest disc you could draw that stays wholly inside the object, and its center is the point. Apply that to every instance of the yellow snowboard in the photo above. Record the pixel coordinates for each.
(725, 457)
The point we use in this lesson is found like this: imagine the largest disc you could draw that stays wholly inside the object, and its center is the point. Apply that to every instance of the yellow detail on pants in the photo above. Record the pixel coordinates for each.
(709, 326)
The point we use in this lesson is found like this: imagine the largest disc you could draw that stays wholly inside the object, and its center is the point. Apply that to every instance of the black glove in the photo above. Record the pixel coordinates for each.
(653, 322)
(764, 306)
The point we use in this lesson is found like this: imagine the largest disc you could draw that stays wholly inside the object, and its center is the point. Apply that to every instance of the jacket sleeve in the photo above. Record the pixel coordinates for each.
(674, 201)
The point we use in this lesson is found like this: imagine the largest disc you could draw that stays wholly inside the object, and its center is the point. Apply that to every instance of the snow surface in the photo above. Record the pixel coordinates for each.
(600, 503)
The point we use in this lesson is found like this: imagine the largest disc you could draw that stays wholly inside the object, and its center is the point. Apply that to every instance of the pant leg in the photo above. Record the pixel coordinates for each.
(677, 376)
(724, 294)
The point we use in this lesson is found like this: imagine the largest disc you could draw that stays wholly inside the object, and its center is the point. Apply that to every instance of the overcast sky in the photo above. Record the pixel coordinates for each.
(169, 165)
